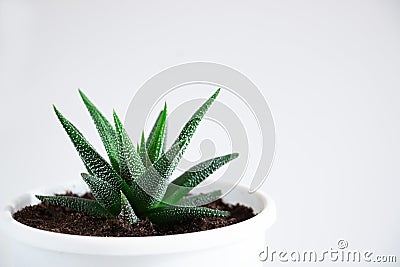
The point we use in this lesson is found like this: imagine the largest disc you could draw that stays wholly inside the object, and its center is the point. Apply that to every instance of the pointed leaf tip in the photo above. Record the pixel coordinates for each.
(190, 127)
(182, 185)
(155, 142)
(83, 96)
(56, 110)
(87, 206)
(116, 118)
(39, 197)
(105, 130)
(127, 213)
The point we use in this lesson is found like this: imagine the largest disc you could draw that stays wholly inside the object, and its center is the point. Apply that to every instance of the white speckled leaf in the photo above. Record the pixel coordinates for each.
(92, 160)
(171, 215)
(191, 126)
(87, 206)
(130, 163)
(155, 142)
(104, 193)
(106, 132)
(127, 213)
(143, 152)
(179, 187)
(199, 200)
(153, 130)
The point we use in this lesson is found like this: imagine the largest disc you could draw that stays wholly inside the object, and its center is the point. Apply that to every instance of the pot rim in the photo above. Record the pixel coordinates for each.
(95, 245)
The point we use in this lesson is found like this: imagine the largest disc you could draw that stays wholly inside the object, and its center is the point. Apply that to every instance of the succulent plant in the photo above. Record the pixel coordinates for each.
(135, 183)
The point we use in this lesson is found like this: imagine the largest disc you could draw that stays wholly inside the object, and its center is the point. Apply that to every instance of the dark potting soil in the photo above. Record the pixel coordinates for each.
(63, 220)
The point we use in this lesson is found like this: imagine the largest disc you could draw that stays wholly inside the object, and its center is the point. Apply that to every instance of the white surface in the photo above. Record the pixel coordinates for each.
(329, 69)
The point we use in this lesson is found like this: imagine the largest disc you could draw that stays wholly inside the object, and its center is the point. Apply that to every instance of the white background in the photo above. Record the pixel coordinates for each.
(330, 71)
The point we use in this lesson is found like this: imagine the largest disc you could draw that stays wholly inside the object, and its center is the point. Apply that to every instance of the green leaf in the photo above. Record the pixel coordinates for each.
(127, 213)
(130, 163)
(92, 160)
(138, 148)
(191, 126)
(150, 187)
(179, 187)
(153, 130)
(164, 147)
(88, 169)
(199, 200)
(143, 152)
(106, 131)
(169, 215)
(155, 142)
(104, 193)
(87, 206)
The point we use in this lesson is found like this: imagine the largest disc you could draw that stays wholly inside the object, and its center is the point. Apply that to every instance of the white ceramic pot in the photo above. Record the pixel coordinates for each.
(234, 245)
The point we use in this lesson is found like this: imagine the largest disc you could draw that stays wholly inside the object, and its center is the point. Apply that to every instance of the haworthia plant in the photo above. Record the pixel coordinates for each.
(135, 183)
